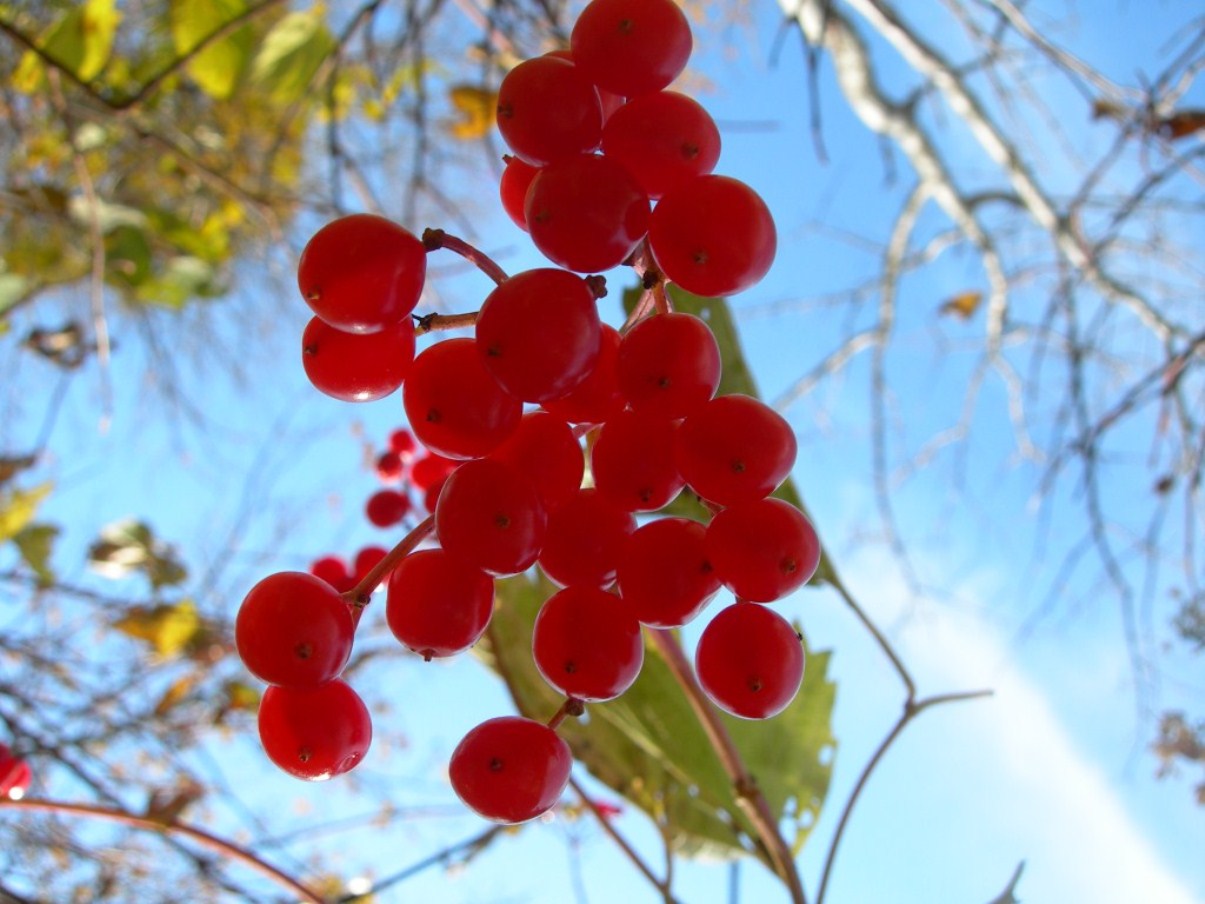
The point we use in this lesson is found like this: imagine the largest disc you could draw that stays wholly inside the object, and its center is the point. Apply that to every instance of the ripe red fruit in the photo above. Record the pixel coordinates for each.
(431, 470)
(294, 630)
(633, 462)
(585, 540)
(355, 367)
(333, 570)
(510, 769)
(631, 47)
(713, 236)
(763, 550)
(367, 559)
(664, 572)
(544, 449)
(389, 467)
(668, 365)
(402, 443)
(597, 398)
(15, 775)
(362, 273)
(586, 213)
(587, 644)
(538, 333)
(734, 448)
(454, 406)
(512, 188)
(315, 733)
(664, 139)
(386, 508)
(490, 515)
(438, 605)
(750, 661)
(548, 110)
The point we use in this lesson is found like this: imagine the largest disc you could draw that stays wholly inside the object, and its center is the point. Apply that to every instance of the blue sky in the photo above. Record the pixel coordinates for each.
(1051, 770)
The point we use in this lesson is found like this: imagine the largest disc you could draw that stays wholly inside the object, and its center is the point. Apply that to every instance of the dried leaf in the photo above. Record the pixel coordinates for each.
(476, 106)
(128, 546)
(167, 629)
(963, 305)
(1182, 124)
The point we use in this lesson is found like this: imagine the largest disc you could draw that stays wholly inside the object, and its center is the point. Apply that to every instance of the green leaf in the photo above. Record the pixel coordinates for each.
(218, 68)
(127, 256)
(291, 53)
(649, 745)
(18, 507)
(82, 40)
(130, 546)
(185, 278)
(736, 377)
(12, 290)
(36, 542)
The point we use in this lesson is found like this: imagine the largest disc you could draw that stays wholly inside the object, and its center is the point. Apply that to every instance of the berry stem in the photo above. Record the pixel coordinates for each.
(571, 707)
(654, 297)
(748, 795)
(430, 323)
(434, 239)
(359, 595)
(213, 842)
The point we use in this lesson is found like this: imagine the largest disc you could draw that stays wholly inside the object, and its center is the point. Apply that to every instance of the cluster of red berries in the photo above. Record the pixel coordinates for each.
(15, 774)
(642, 399)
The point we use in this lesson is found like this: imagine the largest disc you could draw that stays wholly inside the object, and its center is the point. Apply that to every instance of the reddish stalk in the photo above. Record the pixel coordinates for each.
(431, 323)
(571, 707)
(213, 842)
(359, 595)
(434, 239)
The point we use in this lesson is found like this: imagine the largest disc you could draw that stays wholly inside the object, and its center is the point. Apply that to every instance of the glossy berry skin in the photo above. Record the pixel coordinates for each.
(454, 406)
(538, 333)
(355, 367)
(548, 110)
(15, 775)
(362, 273)
(597, 398)
(334, 571)
(668, 365)
(544, 449)
(401, 442)
(585, 540)
(431, 470)
(763, 550)
(750, 661)
(367, 558)
(438, 605)
(315, 733)
(663, 139)
(586, 213)
(512, 188)
(491, 516)
(587, 644)
(389, 467)
(713, 236)
(631, 47)
(734, 448)
(633, 462)
(294, 630)
(386, 508)
(510, 769)
(664, 572)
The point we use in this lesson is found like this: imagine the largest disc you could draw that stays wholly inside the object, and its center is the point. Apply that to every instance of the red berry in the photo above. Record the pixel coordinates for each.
(664, 139)
(664, 572)
(633, 462)
(513, 186)
(334, 571)
(490, 515)
(587, 644)
(367, 559)
(734, 448)
(585, 540)
(597, 398)
(454, 406)
(438, 605)
(431, 470)
(362, 273)
(510, 769)
(15, 775)
(763, 550)
(385, 508)
(389, 467)
(631, 47)
(538, 334)
(544, 449)
(315, 733)
(713, 236)
(355, 367)
(586, 213)
(548, 110)
(402, 443)
(668, 365)
(750, 661)
(293, 629)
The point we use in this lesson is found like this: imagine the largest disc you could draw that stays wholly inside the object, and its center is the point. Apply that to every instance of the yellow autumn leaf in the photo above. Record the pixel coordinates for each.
(962, 305)
(17, 509)
(476, 106)
(178, 691)
(167, 628)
